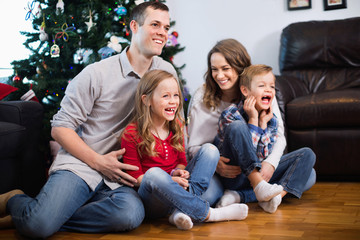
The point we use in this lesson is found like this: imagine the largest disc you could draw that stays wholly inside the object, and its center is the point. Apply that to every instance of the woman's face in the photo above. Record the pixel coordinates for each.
(223, 74)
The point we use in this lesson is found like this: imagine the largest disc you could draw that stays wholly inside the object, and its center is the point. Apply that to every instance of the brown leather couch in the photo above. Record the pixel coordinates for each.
(22, 163)
(318, 91)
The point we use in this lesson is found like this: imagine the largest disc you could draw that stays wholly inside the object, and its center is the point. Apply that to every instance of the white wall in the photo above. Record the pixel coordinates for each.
(257, 24)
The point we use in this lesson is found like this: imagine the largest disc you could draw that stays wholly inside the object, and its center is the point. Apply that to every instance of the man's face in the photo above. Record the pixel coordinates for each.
(151, 37)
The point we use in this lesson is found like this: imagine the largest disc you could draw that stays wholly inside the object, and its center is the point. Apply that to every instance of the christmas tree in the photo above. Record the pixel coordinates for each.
(70, 34)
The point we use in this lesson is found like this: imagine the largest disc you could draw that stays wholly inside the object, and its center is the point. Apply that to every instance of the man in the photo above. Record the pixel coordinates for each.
(88, 190)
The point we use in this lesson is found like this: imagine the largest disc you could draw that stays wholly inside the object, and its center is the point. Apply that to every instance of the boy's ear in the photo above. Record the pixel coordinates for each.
(145, 101)
(244, 90)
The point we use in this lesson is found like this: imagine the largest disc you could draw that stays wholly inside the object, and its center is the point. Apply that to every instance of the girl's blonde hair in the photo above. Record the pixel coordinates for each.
(236, 56)
(142, 114)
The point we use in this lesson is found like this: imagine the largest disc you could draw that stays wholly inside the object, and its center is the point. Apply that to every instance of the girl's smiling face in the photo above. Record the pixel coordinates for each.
(165, 101)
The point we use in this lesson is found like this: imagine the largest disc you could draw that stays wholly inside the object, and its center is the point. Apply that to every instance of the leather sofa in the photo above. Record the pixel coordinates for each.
(22, 165)
(318, 91)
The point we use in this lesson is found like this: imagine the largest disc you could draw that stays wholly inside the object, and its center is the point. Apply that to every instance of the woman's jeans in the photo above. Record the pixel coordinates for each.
(66, 203)
(161, 195)
(294, 172)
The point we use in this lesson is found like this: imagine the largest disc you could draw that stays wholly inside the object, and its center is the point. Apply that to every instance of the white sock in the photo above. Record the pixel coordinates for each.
(181, 220)
(272, 205)
(228, 198)
(234, 211)
(265, 191)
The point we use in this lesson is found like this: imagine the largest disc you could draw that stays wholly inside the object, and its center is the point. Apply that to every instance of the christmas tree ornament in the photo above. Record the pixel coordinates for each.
(176, 34)
(172, 40)
(137, 2)
(43, 35)
(64, 32)
(90, 23)
(60, 7)
(121, 11)
(114, 44)
(106, 52)
(29, 95)
(30, 8)
(16, 78)
(55, 50)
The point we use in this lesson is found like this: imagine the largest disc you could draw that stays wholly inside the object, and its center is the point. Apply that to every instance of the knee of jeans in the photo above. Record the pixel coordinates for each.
(132, 219)
(310, 156)
(38, 227)
(236, 127)
(211, 151)
(154, 176)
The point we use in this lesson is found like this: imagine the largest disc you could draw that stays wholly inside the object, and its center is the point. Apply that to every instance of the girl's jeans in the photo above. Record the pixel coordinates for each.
(66, 203)
(294, 172)
(161, 195)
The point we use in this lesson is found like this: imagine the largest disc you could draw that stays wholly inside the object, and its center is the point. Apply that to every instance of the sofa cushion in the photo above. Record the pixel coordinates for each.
(335, 109)
(11, 137)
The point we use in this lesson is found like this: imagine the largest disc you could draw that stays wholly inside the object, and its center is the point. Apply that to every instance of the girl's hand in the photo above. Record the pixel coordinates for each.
(181, 173)
(249, 107)
(265, 117)
(184, 183)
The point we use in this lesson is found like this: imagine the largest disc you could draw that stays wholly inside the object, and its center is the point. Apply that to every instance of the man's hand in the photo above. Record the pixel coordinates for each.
(184, 183)
(228, 171)
(267, 170)
(110, 167)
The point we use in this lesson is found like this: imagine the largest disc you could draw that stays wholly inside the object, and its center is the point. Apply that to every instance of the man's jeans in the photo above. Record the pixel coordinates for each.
(294, 172)
(161, 195)
(66, 203)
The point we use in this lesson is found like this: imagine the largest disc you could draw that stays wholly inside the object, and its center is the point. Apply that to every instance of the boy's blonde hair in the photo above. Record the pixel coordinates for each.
(250, 72)
(142, 114)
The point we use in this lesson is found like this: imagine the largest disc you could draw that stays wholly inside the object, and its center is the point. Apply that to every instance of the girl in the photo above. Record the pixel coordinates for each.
(154, 142)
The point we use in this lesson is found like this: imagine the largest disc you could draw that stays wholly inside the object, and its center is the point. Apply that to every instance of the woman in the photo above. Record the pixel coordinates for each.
(226, 61)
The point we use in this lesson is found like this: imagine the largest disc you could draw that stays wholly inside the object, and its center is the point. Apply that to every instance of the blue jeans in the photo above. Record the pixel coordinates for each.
(293, 172)
(66, 203)
(161, 195)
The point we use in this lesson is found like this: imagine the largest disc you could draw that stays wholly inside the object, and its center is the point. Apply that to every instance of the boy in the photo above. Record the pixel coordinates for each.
(254, 121)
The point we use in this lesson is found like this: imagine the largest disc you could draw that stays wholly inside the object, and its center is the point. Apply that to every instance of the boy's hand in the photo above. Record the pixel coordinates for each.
(267, 170)
(265, 117)
(249, 107)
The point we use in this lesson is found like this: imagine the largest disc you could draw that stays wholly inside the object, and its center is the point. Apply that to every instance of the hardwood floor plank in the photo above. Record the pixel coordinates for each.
(330, 210)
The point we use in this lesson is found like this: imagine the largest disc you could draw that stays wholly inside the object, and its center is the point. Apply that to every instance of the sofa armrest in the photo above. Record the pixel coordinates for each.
(288, 88)
(24, 113)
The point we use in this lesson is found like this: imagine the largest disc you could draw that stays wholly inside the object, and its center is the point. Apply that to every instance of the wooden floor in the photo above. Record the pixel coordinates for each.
(327, 211)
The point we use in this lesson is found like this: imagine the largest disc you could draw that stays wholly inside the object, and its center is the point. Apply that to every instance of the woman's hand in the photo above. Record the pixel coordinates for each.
(184, 183)
(110, 167)
(225, 170)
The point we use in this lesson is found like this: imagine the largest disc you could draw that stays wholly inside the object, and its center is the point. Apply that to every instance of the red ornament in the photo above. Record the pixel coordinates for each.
(175, 34)
(16, 78)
